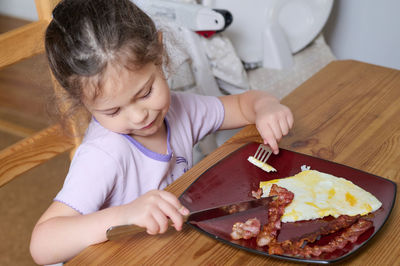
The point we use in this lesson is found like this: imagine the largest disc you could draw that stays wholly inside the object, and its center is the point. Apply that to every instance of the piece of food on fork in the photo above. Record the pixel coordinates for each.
(260, 158)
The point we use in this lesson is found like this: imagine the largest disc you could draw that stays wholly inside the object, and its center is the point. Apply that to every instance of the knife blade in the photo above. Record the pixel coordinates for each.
(119, 231)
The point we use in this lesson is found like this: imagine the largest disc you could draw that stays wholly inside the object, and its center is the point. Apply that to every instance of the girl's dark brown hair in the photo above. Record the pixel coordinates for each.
(86, 36)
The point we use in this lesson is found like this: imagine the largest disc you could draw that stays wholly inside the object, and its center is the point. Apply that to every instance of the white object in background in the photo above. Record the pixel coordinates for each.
(189, 42)
(280, 82)
(276, 50)
(293, 23)
(192, 70)
(302, 20)
(192, 16)
(205, 81)
(225, 64)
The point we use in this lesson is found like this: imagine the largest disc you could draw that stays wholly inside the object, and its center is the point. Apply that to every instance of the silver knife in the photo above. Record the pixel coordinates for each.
(119, 231)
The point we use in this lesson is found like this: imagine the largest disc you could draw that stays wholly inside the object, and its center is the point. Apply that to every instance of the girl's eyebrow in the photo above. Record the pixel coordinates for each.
(148, 82)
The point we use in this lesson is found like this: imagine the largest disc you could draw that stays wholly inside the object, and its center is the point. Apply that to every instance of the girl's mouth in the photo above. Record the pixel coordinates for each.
(148, 126)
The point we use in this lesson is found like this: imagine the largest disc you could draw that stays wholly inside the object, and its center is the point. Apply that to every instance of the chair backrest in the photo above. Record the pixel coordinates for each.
(16, 45)
(26, 41)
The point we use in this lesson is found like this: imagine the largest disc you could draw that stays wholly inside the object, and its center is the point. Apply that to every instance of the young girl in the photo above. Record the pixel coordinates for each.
(109, 56)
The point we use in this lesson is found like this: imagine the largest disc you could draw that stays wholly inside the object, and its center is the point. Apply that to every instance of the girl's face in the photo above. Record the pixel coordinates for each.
(132, 102)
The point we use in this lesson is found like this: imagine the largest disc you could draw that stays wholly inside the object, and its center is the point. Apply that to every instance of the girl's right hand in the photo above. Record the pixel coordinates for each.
(153, 209)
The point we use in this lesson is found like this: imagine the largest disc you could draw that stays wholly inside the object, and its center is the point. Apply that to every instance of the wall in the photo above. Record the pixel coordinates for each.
(365, 30)
(25, 9)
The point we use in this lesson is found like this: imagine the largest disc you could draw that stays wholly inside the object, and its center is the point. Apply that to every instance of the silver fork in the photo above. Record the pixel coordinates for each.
(262, 154)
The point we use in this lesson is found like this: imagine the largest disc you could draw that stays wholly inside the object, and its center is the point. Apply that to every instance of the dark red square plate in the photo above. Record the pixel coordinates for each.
(233, 178)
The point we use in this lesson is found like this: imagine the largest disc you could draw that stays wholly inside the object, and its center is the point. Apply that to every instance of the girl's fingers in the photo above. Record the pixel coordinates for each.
(283, 123)
(170, 211)
(174, 202)
(183, 210)
(276, 130)
(161, 220)
(290, 119)
(273, 145)
(269, 138)
(152, 225)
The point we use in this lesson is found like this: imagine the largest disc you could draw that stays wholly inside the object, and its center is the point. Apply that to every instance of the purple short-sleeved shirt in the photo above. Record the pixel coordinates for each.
(111, 169)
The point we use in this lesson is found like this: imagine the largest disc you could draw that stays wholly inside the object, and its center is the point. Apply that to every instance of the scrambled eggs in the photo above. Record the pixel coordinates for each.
(318, 194)
(266, 167)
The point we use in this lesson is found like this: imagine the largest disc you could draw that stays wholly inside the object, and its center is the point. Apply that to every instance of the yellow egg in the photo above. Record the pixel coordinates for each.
(318, 194)
(266, 167)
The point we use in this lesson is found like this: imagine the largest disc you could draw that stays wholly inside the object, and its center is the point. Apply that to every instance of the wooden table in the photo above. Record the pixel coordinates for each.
(349, 113)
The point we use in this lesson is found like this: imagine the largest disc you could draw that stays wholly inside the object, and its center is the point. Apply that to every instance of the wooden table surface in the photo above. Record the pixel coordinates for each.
(349, 113)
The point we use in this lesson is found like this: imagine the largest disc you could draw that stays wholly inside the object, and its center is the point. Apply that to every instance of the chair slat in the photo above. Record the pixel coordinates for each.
(22, 43)
(33, 151)
(44, 8)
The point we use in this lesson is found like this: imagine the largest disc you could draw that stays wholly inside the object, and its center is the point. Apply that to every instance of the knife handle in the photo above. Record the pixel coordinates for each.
(118, 231)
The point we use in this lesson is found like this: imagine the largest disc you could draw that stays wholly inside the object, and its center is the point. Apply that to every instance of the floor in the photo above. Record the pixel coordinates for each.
(24, 89)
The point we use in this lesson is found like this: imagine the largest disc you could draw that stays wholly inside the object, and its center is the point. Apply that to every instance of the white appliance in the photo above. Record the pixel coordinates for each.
(189, 22)
(268, 32)
(192, 16)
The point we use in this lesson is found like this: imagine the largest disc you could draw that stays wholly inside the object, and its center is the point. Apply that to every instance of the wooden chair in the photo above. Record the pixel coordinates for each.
(16, 45)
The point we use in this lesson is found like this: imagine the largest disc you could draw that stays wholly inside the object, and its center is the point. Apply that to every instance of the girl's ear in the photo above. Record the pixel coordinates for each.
(163, 56)
(160, 37)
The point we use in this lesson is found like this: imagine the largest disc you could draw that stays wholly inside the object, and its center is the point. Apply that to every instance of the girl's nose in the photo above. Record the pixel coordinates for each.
(137, 114)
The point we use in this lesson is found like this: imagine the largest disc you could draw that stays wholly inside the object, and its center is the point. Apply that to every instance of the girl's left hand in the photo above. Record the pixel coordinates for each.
(273, 121)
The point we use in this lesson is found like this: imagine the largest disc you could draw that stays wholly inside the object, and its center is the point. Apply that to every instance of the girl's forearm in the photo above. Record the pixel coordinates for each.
(60, 238)
(252, 101)
(241, 109)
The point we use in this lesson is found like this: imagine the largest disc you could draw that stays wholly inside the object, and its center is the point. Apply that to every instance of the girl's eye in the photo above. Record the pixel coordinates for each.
(116, 112)
(148, 93)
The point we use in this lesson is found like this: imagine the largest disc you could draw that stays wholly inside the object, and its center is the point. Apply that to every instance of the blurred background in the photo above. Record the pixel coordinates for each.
(364, 30)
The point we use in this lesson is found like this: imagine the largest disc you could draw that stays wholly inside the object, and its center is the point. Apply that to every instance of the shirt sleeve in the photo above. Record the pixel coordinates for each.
(90, 179)
(206, 113)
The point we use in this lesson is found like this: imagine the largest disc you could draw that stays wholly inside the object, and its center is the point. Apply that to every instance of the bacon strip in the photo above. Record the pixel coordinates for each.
(350, 234)
(335, 225)
(257, 194)
(246, 230)
(353, 226)
(276, 209)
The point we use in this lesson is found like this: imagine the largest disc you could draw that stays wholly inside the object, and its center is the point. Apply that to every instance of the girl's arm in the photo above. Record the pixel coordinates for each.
(61, 232)
(273, 120)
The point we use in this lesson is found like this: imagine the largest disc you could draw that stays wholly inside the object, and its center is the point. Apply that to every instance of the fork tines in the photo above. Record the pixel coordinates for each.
(262, 154)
